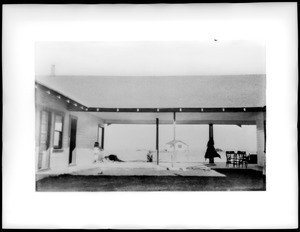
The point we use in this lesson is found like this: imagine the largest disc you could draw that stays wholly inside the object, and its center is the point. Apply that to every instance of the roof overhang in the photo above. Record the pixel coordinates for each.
(237, 91)
(184, 115)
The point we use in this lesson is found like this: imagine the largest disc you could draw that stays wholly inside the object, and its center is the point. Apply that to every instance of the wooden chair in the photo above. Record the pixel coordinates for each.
(229, 157)
(242, 158)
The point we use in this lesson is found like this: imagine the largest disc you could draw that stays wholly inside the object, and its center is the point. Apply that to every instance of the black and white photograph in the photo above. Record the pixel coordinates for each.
(150, 116)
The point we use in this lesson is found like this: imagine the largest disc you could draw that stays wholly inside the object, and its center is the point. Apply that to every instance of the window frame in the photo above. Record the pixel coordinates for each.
(60, 141)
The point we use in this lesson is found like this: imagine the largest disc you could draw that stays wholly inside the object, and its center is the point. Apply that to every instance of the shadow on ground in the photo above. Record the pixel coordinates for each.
(235, 180)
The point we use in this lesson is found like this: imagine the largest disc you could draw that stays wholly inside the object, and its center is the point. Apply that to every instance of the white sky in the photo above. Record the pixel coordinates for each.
(226, 137)
(151, 58)
(158, 58)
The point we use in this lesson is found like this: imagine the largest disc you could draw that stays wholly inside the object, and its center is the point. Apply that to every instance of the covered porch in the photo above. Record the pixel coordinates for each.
(78, 110)
(236, 116)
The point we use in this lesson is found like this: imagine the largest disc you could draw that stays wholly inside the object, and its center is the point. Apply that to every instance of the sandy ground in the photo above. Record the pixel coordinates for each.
(234, 180)
(136, 169)
(149, 169)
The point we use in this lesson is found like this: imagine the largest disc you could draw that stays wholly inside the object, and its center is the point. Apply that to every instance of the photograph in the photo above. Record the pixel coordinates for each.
(150, 116)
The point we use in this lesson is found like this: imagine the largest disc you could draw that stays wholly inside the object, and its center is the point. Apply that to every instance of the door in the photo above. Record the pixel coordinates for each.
(44, 145)
(101, 136)
(73, 129)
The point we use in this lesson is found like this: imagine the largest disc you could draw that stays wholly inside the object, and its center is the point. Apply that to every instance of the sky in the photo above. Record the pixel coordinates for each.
(151, 58)
(159, 58)
(226, 137)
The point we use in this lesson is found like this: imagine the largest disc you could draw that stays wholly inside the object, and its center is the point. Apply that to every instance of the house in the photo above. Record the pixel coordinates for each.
(67, 128)
(179, 146)
(73, 111)
(64, 138)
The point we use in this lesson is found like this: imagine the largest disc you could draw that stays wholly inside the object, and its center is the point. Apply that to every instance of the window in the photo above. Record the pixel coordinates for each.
(58, 132)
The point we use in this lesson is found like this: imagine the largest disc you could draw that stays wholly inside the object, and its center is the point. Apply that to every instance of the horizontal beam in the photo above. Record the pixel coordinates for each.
(177, 110)
(182, 122)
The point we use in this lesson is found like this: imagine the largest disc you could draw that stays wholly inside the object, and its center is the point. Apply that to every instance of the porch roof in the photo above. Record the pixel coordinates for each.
(223, 98)
(161, 92)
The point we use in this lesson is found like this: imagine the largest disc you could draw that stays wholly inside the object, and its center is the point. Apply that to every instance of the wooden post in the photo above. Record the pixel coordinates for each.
(260, 137)
(157, 140)
(102, 137)
(211, 131)
(265, 134)
(174, 148)
(211, 136)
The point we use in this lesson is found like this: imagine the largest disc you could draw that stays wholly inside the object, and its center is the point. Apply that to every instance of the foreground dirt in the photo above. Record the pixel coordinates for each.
(234, 180)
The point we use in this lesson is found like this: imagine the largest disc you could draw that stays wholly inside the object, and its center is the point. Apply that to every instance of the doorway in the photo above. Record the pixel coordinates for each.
(44, 145)
(100, 136)
(72, 133)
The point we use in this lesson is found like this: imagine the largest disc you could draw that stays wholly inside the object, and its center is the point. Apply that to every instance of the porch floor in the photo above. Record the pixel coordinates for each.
(222, 165)
(146, 169)
(149, 169)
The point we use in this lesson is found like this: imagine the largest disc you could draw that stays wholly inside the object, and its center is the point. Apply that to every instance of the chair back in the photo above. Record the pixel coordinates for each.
(242, 155)
(229, 155)
(235, 157)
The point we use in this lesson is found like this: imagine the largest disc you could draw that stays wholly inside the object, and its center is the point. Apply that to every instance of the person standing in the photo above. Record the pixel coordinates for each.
(96, 152)
(211, 152)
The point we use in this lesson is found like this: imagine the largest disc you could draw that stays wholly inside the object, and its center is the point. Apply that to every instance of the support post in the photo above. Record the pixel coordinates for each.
(265, 137)
(174, 148)
(157, 140)
(102, 137)
(211, 131)
(260, 136)
(211, 137)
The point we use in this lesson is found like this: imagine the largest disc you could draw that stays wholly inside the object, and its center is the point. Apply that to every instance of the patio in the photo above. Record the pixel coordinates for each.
(139, 176)
(136, 169)
(82, 109)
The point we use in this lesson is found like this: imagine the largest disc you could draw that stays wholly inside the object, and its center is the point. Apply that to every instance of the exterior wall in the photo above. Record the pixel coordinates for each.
(86, 134)
(260, 136)
(184, 147)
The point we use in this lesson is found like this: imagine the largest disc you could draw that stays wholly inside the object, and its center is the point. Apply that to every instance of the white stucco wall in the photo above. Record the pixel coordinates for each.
(87, 131)
(184, 147)
(260, 136)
